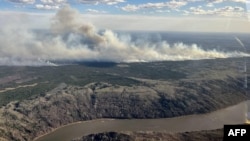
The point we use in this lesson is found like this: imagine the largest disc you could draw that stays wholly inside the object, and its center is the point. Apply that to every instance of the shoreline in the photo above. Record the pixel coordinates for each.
(77, 122)
(179, 117)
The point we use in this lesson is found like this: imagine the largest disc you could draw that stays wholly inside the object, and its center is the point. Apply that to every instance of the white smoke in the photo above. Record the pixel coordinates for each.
(71, 38)
(239, 41)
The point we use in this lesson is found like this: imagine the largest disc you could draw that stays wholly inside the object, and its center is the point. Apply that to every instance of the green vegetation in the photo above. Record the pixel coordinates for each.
(125, 90)
(48, 77)
(25, 93)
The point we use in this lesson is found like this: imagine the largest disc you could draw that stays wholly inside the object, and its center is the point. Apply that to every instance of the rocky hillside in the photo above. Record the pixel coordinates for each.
(108, 136)
(36, 100)
(27, 119)
(213, 135)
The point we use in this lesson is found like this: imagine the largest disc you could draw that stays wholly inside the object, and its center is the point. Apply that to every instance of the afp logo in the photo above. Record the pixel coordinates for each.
(236, 132)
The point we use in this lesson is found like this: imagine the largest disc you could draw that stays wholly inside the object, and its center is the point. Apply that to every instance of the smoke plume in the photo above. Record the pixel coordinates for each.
(71, 38)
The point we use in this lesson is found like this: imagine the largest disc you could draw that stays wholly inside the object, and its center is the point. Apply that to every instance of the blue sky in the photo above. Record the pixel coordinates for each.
(225, 8)
(163, 15)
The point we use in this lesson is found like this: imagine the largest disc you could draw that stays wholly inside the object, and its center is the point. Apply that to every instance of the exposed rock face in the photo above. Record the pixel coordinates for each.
(109, 136)
(28, 119)
(214, 135)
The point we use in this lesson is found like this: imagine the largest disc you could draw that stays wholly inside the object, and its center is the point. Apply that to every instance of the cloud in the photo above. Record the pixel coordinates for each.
(242, 1)
(94, 11)
(170, 4)
(50, 4)
(248, 9)
(210, 5)
(72, 38)
(227, 11)
(53, 1)
(163, 11)
(130, 8)
(108, 2)
(215, 1)
(23, 1)
(47, 7)
(220, 1)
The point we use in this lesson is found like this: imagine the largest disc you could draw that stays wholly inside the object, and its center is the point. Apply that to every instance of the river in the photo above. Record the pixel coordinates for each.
(214, 120)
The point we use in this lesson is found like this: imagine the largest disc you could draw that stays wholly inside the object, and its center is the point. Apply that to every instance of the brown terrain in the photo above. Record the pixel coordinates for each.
(67, 94)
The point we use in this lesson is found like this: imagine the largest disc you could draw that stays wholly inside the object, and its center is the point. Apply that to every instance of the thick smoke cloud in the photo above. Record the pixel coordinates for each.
(68, 20)
(71, 38)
